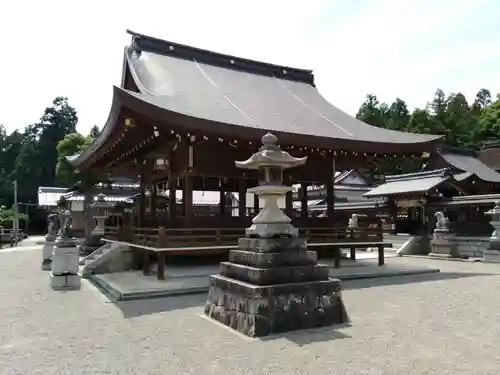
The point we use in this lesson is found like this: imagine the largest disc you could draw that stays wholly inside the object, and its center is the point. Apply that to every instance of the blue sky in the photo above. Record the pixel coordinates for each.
(387, 47)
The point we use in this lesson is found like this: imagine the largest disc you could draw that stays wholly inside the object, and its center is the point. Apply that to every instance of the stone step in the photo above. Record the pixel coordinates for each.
(272, 245)
(268, 260)
(274, 275)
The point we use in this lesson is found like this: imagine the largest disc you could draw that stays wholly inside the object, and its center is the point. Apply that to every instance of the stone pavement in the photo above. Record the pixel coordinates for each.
(188, 279)
(445, 323)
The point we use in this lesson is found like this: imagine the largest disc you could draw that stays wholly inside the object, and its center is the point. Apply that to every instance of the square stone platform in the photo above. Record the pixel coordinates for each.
(181, 280)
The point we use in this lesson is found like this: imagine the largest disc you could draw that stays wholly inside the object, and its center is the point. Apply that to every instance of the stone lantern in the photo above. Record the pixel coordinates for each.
(272, 283)
(492, 254)
(100, 208)
(270, 161)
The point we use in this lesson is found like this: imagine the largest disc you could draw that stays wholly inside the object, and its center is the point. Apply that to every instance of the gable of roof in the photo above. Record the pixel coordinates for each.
(467, 161)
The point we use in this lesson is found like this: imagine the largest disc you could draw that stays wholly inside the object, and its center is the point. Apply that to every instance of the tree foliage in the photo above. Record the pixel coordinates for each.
(32, 157)
(462, 124)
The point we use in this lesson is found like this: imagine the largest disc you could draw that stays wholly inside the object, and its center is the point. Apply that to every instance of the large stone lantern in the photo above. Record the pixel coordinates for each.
(270, 161)
(272, 283)
(492, 254)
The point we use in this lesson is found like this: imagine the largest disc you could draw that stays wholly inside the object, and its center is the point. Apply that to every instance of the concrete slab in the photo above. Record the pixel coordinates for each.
(182, 280)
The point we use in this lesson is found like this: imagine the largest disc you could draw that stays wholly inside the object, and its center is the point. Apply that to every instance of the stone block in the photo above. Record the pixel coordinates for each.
(61, 250)
(65, 263)
(65, 282)
(46, 264)
(491, 256)
(268, 260)
(262, 310)
(272, 245)
(275, 275)
(47, 250)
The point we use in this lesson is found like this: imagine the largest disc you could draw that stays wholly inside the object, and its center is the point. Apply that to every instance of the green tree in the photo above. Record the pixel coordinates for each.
(69, 146)
(398, 116)
(36, 160)
(489, 123)
(459, 121)
(421, 122)
(373, 112)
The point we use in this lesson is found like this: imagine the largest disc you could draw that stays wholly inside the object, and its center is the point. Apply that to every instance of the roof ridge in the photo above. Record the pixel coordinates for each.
(147, 43)
(456, 150)
(443, 172)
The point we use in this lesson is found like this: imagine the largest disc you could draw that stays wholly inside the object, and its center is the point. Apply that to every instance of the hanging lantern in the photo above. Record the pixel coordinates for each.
(161, 164)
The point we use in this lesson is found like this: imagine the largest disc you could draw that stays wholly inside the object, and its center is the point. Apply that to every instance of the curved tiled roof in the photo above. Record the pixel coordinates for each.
(205, 91)
(468, 161)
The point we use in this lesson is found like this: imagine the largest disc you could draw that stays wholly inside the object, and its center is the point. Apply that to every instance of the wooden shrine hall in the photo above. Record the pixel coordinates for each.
(183, 115)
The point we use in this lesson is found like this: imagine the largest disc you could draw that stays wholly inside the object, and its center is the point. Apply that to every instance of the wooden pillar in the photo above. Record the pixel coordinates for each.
(303, 200)
(187, 199)
(330, 193)
(222, 198)
(242, 197)
(172, 202)
(256, 206)
(288, 197)
(142, 206)
(152, 201)
(393, 214)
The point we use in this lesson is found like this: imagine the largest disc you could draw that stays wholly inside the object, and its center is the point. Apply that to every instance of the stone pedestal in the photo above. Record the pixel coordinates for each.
(65, 257)
(273, 285)
(47, 252)
(492, 254)
(443, 244)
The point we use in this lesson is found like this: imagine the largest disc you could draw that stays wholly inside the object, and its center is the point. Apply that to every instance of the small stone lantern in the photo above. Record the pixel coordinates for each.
(492, 254)
(101, 208)
(270, 161)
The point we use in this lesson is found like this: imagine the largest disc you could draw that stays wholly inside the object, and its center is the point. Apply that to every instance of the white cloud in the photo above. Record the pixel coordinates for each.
(388, 47)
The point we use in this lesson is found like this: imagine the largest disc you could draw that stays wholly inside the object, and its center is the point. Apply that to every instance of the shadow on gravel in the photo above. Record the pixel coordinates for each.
(308, 336)
(131, 309)
(409, 279)
(148, 306)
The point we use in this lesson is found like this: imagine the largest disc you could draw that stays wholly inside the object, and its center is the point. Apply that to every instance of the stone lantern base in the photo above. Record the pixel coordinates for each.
(273, 285)
(64, 274)
(47, 252)
(492, 254)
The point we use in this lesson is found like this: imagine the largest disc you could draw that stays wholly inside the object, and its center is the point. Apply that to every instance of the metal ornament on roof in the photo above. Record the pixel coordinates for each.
(270, 161)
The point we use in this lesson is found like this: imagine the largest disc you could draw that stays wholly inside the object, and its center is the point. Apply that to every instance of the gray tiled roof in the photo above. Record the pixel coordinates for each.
(411, 183)
(467, 161)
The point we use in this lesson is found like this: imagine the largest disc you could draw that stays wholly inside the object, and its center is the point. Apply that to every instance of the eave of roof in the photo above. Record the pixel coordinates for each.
(411, 183)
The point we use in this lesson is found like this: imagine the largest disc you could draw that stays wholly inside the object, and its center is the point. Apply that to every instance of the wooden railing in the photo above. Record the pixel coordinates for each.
(190, 237)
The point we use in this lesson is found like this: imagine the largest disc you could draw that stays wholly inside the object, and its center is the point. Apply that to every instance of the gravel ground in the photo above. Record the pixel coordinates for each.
(430, 324)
